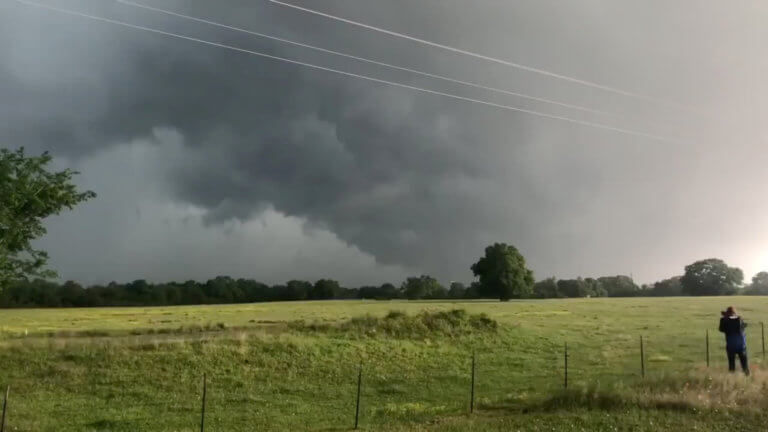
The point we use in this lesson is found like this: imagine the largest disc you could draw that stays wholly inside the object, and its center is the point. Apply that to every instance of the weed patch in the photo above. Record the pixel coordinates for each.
(399, 325)
(695, 392)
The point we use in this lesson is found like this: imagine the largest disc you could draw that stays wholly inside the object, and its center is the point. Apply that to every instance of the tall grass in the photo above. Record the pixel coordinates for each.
(396, 324)
(695, 391)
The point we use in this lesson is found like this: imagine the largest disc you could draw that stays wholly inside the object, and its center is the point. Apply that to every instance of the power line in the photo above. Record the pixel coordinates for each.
(350, 74)
(366, 60)
(487, 58)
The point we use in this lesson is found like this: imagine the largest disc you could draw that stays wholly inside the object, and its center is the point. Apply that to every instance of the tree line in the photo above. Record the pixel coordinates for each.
(219, 290)
(225, 290)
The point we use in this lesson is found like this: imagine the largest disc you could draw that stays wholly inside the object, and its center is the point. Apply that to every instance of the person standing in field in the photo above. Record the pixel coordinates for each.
(735, 341)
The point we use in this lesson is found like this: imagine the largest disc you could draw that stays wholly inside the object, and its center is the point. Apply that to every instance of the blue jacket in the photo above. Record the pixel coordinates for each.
(733, 327)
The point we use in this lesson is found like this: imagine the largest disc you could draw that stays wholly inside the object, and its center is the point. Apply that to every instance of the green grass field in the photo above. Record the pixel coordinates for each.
(293, 366)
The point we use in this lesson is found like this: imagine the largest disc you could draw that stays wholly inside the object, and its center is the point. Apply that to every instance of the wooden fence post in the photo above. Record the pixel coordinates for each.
(762, 334)
(359, 388)
(642, 358)
(472, 388)
(202, 415)
(5, 408)
(565, 357)
(707, 347)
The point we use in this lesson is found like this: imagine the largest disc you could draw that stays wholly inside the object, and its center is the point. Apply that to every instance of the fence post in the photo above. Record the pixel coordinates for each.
(5, 407)
(707, 347)
(642, 358)
(762, 334)
(566, 364)
(202, 415)
(359, 388)
(472, 388)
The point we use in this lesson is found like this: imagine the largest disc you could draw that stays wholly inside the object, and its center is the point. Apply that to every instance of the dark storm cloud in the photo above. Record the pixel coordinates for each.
(412, 179)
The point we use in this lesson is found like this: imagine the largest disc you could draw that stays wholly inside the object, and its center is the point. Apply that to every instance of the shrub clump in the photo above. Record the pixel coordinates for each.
(397, 324)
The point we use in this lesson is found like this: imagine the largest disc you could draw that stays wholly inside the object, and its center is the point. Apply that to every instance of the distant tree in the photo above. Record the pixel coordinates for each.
(473, 292)
(423, 287)
(72, 294)
(645, 290)
(457, 290)
(711, 277)
(347, 293)
(173, 295)
(296, 290)
(192, 293)
(367, 292)
(388, 291)
(221, 288)
(435, 290)
(29, 193)
(134, 292)
(414, 289)
(759, 285)
(546, 288)
(573, 288)
(581, 287)
(503, 273)
(280, 293)
(595, 288)
(760, 280)
(254, 291)
(667, 288)
(619, 286)
(158, 295)
(324, 289)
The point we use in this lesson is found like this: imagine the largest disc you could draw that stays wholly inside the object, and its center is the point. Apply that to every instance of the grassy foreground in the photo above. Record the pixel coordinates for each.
(293, 366)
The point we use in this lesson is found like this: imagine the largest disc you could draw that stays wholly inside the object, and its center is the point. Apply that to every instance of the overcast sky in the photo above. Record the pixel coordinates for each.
(208, 161)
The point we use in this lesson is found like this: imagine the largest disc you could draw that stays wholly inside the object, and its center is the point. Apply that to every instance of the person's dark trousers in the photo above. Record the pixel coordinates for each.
(742, 358)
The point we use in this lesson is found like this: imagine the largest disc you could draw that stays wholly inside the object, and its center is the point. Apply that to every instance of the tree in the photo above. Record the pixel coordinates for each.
(473, 291)
(546, 288)
(72, 294)
(667, 288)
(503, 273)
(223, 289)
(619, 286)
(324, 289)
(29, 193)
(388, 291)
(423, 287)
(457, 290)
(760, 280)
(595, 288)
(254, 291)
(296, 290)
(414, 289)
(759, 285)
(573, 288)
(435, 290)
(135, 292)
(711, 277)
